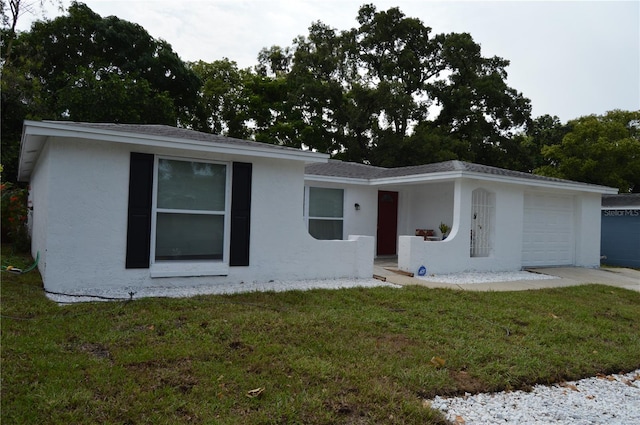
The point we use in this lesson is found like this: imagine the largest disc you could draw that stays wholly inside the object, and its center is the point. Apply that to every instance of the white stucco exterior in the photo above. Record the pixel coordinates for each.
(564, 221)
(454, 255)
(501, 221)
(79, 221)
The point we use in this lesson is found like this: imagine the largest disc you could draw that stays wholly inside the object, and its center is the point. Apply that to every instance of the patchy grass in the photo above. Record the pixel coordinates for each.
(354, 356)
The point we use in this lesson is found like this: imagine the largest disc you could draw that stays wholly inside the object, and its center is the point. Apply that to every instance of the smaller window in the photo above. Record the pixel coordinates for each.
(325, 213)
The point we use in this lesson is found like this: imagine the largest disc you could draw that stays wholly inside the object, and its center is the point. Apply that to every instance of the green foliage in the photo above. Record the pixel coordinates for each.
(83, 52)
(387, 92)
(362, 94)
(14, 213)
(83, 67)
(223, 107)
(601, 150)
(322, 356)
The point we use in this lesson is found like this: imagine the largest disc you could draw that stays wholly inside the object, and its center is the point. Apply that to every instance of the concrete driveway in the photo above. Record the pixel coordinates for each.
(563, 276)
(620, 277)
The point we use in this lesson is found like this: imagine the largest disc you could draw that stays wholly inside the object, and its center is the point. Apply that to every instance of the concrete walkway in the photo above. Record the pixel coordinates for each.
(564, 276)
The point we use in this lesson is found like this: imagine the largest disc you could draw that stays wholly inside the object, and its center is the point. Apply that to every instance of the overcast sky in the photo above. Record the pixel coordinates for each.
(570, 58)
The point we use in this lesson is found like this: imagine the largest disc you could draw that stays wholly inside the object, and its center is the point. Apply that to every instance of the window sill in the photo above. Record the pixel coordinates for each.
(188, 269)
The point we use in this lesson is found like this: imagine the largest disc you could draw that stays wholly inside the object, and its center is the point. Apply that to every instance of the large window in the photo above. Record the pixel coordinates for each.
(325, 212)
(190, 213)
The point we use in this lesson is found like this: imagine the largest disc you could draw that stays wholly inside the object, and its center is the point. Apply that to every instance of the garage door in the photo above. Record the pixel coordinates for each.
(548, 234)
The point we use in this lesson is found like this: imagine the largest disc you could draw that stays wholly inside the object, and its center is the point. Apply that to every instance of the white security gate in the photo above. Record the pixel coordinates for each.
(548, 233)
(482, 222)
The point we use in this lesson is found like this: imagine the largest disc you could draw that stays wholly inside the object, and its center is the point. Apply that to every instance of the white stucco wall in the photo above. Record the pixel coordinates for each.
(454, 254)
(425, 207)
(356, 222)
(39, 215)
(80, 196)
(364, 221)
(588, 229)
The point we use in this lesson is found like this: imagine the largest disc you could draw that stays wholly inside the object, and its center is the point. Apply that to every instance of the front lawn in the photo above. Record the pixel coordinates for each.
(353, 356)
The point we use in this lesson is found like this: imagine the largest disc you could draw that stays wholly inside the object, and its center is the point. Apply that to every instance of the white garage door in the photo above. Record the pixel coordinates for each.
(548, 235)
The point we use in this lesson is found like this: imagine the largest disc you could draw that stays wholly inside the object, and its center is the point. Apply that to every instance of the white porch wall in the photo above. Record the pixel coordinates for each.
(453, 254)
(425, 207)
(80, 197)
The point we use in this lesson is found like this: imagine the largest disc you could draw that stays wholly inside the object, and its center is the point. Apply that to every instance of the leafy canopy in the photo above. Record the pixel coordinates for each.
(386, 93)
(83, 67)
(598, 149)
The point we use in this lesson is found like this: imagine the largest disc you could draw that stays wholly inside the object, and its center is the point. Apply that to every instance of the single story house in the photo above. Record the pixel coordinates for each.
(126, 205)
(620, 240)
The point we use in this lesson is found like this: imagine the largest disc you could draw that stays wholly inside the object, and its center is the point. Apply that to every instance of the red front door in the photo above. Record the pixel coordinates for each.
(387, 223)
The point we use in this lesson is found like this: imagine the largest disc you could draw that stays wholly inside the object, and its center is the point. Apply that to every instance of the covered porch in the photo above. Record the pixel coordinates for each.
(471, 210)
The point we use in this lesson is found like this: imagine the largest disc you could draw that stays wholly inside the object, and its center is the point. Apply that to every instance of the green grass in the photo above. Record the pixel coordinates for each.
(355, 356)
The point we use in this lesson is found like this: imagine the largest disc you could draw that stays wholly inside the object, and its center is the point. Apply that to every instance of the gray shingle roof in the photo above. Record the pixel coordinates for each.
(361, 171)
(350, 170)
(621, 200)
(171, 132)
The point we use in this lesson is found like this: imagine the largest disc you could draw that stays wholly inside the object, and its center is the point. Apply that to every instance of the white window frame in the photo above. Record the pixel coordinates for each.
(189, 268)
(305, 213)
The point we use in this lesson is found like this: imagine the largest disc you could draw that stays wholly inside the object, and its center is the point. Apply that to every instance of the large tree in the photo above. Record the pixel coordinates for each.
(363, 94)
(83, 67)
(598, 149)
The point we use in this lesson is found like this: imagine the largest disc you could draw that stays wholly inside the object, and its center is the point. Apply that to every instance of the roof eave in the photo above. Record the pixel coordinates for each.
(337, 179)
(550, 184)
(35, 134)
(451, 175)
(621, 207)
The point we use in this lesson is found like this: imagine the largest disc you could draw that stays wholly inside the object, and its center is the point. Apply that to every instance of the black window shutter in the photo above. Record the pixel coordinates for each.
(139, 220)
(240, 213)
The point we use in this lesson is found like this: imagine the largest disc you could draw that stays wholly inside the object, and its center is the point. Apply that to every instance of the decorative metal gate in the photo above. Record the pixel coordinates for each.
(482, 218)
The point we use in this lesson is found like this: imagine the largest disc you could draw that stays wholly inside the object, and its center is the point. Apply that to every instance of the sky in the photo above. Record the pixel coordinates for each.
(570, 58)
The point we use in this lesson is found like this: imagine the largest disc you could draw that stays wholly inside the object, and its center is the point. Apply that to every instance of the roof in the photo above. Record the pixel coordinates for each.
(624, 200)
(344, 171)
(36, 133)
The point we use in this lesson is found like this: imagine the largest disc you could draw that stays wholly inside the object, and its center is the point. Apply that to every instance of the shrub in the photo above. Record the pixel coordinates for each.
(14, 216)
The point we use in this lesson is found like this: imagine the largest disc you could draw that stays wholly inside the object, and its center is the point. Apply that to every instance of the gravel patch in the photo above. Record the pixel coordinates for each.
(127, 293)
(468, 278)
(610, 399)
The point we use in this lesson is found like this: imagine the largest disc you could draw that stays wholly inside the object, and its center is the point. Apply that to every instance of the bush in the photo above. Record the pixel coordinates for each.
(14, 216)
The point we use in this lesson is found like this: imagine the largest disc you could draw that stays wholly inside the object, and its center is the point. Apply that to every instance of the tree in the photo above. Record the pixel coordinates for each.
(11, 11)
(478, 107)
(223, 107)
(361, 94)
(77, 51)
(83, 67)
(601, 150)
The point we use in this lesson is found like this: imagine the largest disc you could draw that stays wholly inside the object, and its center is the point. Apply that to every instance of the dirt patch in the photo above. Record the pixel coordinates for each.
(176, 374)
(465, 383)
(98, 350)
(394, 343)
